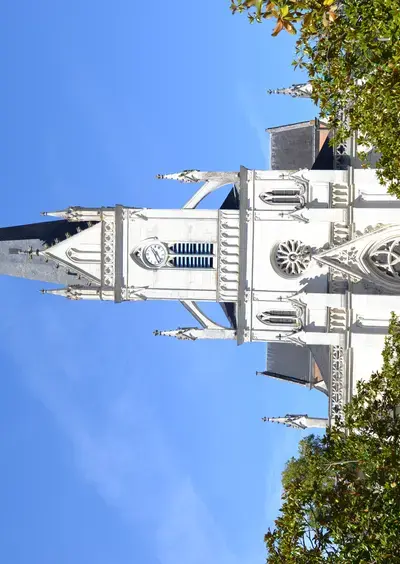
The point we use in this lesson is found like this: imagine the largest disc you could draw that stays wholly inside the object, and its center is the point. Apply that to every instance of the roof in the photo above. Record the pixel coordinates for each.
(20, 246)
(232, 200)
(229, 308)
(305, 364)
(293, 146)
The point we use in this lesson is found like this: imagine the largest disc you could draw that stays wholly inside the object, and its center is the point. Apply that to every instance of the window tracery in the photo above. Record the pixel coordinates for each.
(283, 196)
(385, 258)
(290, 318)
(291, 258)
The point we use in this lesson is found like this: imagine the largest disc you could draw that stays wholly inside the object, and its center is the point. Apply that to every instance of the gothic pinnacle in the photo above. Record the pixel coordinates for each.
(54, 214)
(54, 291)
(296, 90)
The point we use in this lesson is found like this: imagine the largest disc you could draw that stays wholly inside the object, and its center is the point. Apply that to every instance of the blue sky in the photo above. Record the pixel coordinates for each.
(117, 447)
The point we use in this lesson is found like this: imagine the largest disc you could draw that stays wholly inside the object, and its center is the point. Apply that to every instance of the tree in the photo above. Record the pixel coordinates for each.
(341, 495)
(351, 52)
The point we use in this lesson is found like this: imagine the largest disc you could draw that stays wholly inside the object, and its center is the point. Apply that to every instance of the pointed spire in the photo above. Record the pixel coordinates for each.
(75, 292)
(76, 213)
(67, 292)
(296, 90)
(299, 421)
(190, 176)
(60, 214)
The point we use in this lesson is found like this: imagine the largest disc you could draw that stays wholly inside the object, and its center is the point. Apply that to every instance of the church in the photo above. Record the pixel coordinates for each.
(304, 256)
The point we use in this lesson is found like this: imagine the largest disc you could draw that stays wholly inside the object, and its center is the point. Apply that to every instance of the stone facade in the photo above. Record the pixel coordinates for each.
(311, 258)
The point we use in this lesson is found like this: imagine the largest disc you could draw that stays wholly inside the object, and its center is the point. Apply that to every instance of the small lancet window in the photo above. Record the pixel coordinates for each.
(279, 317)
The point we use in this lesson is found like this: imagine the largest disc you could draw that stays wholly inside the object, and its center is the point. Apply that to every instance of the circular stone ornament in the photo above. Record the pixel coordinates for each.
(292, 258)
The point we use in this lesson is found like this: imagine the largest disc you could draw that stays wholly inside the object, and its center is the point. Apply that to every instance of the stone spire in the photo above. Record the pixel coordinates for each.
(296, 90)
(22, 252)
(76, 213)
(299, 421)
(182, 333)
(185, 176)
(194, 333)
(74, 292)
(193, 176)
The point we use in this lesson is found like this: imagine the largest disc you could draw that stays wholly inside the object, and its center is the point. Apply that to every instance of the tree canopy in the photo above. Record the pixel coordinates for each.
(341, 495)
(351, 52)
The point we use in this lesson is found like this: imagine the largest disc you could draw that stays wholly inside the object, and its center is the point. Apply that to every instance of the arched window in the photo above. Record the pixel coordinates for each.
(283, 196)
(288, 317)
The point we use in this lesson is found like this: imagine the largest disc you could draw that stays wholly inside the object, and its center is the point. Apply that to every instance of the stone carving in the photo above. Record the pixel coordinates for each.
(139, 213)
(337, 319)
(340, 196)
(337, 396)
(108, 252)
(228, 267)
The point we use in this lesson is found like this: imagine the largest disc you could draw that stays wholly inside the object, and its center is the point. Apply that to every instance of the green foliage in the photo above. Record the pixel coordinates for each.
(341, 495)
(351, 51)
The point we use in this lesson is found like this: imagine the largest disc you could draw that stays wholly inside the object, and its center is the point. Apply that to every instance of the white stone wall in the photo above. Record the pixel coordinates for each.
(172, 226)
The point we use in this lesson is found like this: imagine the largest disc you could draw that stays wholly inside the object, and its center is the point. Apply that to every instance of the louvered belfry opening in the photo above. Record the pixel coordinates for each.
(192, 255)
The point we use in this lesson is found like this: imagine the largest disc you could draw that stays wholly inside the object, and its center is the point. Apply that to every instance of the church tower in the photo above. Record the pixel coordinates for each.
(307, 261)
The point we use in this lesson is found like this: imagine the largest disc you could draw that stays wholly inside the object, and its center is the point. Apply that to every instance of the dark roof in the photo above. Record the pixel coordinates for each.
(293, 146)
(297, 362)
(290, 360)
(324, 159)
(232, 201)
(229, 308)
(19, 246)
(297, 145)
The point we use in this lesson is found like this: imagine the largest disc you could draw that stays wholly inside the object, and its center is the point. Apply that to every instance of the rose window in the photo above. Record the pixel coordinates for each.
(292, 257)
(386, 258)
